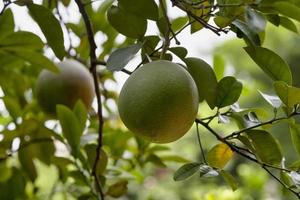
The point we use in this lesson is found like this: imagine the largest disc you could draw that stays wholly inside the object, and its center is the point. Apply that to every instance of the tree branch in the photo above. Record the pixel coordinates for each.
(159, 48)
(281, 182)
(216, 30)
(237, 133)
(200, 143)
(6, 3)
(166, 43)
(169, 25)
(93, 64)
(236, 149)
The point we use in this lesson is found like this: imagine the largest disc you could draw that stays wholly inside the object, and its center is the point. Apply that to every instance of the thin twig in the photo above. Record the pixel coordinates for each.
(263, 165)
(159, 48)
(215, 115)
(197, 18)
(93, 63)
(200, 143)
(166, 43)
(6, 3)
(169, 25)
(281, 182)
(237, 150)
(237, 133)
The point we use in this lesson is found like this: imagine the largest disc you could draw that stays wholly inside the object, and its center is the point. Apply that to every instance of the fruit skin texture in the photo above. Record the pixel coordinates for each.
(159, 102)
(72, 83)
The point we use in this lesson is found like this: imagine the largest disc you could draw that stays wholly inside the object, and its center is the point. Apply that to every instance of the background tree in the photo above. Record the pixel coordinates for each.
(89, 154)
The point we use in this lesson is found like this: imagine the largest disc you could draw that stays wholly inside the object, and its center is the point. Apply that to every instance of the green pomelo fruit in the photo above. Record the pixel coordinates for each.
(159, 102)
(73, 82)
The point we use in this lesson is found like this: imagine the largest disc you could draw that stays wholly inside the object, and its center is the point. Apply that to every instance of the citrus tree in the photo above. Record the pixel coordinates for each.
(60, 111)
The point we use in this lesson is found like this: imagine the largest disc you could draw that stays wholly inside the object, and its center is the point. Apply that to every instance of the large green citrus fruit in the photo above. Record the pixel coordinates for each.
(159, 102)
(73, 82)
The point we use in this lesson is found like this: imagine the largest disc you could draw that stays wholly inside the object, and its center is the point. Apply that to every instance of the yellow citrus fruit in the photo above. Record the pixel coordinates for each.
(159, 102)
(73, 82)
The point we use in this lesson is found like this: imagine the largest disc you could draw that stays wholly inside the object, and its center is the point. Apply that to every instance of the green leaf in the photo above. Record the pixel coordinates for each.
(274, 19)
(22, 39)
(255, 20)
(178, 23)
(227, 14)
(157, 148)
(222, 21)
(251, 118)
(13, 106)
(181, 52)
(118, 189)
(228, 91)
(295, 178)
(285, 178)
(162, 25)
(147, 9)
(81, 114)
(266, 147)
(32, 57)
(117, 140)
(295, 165)
(174, 158)
(288, 24)
(288, 9)
(289, 95)
(231, 11)
(295, 135)
(70, 127)
(230, 180)
(283, 21)
(17, 180)
(219, 66)
(155, 160)
(26, 161)
(207, 171)
(78, 177)
(7, 23)
(126, 23)
(271, 63)
(91, 150)
(205, 79)
(62, 165)
(199, 12)
(186, 171)
(5, 172)
(219, 155)
(249, 34)
(223, 119)
(271, 99)
(50, 27)
(119, 58)
(150, 42)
